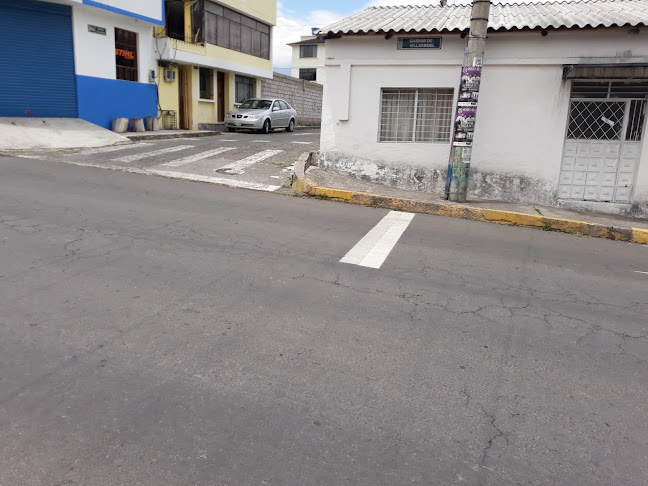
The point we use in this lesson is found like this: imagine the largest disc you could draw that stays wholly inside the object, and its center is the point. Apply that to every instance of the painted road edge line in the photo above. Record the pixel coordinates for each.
(197, 157)
(372, 250)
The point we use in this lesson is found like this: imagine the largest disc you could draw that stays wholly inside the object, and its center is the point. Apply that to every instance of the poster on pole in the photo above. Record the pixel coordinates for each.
(465, 125)
(464, 122)
(470, 81)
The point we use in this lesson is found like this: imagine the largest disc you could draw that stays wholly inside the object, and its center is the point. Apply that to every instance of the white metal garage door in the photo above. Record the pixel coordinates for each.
(603, 143)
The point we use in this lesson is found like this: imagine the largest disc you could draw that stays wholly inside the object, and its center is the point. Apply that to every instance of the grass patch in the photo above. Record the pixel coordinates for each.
(546, 227)
(323, 197)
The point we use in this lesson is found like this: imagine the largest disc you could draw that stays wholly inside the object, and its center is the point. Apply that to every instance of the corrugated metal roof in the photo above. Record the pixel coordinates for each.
(430, 18)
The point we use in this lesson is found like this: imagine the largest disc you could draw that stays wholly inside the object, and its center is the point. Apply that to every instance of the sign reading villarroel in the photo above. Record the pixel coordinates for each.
(419, 43)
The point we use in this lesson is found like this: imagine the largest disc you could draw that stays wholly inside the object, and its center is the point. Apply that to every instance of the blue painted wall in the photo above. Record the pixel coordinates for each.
(38, 77)
(100, 100)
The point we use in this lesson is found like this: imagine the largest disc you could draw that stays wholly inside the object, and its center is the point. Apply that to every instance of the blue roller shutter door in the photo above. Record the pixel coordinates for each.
(38, 76)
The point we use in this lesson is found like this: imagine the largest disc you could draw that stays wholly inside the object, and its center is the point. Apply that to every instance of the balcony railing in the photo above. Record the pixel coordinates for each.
(196, 38)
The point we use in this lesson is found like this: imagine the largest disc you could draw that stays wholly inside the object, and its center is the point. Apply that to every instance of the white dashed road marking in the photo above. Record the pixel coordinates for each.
(213, 180)
(113, 148)
(237, 167)
(645, 273)
(155, 153)
(197, 157)
(372, 250)
(304, 143)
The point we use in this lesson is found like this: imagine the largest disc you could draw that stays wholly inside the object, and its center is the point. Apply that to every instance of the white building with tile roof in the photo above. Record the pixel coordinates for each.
(562, 103)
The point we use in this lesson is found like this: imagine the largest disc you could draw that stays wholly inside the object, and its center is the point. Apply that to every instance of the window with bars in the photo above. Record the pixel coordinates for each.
(416, 115)
(599, 110)
(244, 88)
(126, 54)
(595, 120)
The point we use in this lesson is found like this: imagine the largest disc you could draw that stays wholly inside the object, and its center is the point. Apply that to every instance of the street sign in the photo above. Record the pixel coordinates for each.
(419, 43)
(96, 30)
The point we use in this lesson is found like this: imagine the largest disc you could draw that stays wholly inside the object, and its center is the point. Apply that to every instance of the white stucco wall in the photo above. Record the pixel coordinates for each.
(310, 62)
(152, 9)
(522, 116)
(94, 54)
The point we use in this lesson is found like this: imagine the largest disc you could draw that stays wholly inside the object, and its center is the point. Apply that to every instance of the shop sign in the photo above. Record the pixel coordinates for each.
(405, 43)
(125, 54)
(96, 30)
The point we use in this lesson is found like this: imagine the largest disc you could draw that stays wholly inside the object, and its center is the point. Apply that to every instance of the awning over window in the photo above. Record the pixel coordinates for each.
(605, 71)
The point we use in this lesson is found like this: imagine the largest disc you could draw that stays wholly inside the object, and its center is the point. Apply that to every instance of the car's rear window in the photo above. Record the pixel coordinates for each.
(256, 105)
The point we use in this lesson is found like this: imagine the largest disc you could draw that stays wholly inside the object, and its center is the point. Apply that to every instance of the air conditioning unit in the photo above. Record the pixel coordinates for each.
(169, 75)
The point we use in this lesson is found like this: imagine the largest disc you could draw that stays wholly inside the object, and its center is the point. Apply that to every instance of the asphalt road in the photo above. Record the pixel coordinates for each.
(164, 332)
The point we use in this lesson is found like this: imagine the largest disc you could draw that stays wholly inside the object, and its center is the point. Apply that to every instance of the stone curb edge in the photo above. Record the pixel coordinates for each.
(303, 185)
(170, 136)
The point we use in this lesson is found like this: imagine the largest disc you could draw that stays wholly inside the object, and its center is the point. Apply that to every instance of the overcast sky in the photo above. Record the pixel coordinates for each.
(296, 18)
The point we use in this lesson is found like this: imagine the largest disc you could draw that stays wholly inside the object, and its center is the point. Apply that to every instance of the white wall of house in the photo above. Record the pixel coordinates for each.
(523, 109)
(94, 54)
(310, 62)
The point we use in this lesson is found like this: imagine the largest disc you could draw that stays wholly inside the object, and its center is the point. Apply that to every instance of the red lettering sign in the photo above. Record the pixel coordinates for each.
(125, 54)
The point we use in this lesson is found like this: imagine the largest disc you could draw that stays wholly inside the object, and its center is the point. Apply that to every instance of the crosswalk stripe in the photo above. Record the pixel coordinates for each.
(237, 167)
(155, 153)
(197, 157)
(214, 180)
(372, 250)
(112, 148)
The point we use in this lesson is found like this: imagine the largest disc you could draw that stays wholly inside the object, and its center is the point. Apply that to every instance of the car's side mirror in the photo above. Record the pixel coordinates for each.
(275, 108)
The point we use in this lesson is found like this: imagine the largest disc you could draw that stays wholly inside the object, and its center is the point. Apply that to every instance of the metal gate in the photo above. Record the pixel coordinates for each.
(603, 142)
(38, 76)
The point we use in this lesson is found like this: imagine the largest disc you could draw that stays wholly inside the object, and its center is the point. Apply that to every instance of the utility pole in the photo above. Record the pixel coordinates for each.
(464, 123)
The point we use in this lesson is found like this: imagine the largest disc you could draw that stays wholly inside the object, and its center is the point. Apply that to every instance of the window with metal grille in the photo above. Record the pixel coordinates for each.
(126, 54)
(307, 51)
(595, 120)
(206, 78)
(636, 120)
(609, 89)
(309, 74)
(244, 88)
(416, 115)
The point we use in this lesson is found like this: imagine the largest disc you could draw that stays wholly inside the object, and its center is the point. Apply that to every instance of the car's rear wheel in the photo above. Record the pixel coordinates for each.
(291, 126)
(230, 129)
(266, 127)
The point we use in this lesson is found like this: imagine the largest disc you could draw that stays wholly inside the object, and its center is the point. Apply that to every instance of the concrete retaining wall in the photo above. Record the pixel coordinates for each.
(303, 96)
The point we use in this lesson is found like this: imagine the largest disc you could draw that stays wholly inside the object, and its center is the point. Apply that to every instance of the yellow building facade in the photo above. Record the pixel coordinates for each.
(212, 55)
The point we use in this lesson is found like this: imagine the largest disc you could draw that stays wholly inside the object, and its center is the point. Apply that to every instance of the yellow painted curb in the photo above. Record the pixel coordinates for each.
(497, 216)
(640, 235)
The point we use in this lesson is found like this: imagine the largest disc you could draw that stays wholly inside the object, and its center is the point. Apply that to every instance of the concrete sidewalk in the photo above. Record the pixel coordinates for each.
(310, 180)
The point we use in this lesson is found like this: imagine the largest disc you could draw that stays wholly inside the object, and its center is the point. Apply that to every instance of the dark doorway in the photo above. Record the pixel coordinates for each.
(221, 96)
(184, 99)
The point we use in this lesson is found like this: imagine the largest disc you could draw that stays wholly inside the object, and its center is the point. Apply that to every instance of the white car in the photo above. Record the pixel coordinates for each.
(262, 114)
